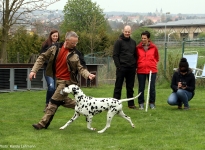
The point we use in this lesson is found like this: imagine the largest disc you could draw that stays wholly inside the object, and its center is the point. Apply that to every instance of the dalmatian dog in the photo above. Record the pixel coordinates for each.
(90, 106)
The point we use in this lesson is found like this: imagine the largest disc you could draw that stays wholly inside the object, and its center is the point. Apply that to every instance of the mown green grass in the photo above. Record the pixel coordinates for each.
(165, 128)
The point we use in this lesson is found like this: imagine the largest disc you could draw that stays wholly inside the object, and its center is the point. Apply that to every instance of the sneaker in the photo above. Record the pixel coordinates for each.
(186, 108)
(141, 106)
(132, 107)
(179, 107)
(152, 106)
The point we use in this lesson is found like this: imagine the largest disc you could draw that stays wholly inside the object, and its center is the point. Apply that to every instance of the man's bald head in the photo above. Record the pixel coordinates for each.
(127, 31)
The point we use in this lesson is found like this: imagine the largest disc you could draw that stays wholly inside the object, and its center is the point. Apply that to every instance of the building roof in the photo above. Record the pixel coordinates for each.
(188, 22)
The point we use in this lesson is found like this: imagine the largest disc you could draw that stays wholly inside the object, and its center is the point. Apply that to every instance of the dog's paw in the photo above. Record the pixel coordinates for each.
(101, 131)
(61, 128)
(93, 129)
(133, 125)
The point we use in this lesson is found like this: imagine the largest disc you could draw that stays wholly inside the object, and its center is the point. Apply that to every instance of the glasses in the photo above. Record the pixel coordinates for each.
(72, 42)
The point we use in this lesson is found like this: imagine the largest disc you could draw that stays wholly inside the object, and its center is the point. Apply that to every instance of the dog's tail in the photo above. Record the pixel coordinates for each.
(128, 99)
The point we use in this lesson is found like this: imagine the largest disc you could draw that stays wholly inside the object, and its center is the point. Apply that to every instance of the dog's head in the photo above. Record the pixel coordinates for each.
(71, 89)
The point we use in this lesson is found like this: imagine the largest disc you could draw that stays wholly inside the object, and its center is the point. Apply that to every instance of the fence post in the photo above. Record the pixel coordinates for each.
(165, 57)
(17, 57)
(183, 46)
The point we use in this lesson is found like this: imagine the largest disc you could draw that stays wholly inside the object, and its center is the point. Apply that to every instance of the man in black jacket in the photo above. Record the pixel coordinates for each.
(124, 56)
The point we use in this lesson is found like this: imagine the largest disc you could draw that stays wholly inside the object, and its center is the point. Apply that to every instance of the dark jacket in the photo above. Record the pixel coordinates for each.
(188, 78)
(124, 53)
(44, 48)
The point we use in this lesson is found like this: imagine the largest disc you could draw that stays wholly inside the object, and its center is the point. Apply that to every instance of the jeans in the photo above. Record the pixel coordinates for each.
(129, 75)
(179, 97)
(51, 87)
(152, 92)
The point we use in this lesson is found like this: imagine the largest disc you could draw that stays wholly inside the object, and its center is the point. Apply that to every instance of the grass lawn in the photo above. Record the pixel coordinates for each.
(165, 128)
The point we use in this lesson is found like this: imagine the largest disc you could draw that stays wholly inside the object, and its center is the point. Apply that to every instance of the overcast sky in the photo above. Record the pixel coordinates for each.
(144, 6)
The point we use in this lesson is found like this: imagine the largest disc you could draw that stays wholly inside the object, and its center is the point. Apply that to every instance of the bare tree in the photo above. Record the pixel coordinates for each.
(15, 12)
(92, 33)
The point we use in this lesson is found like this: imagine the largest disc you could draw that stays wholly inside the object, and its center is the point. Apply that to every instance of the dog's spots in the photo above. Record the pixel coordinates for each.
(79, 98)
(91, 113)
(90, 106)
(86, 119)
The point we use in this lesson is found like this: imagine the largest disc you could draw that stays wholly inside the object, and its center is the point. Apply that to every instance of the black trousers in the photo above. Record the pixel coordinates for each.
(129, 75)
(152, 93)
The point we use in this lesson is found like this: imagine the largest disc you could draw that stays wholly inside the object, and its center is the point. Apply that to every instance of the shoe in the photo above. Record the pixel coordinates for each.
(38, 126)
(141, 106)
(186, 108)
(132, 107)
(45, 108)
(152, 106)
(179, 107)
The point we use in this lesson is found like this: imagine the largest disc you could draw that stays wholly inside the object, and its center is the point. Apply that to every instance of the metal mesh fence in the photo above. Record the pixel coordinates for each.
(169, 59)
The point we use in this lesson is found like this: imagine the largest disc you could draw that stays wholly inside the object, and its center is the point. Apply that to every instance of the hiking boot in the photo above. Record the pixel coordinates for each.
(141, 106)
(38, 126)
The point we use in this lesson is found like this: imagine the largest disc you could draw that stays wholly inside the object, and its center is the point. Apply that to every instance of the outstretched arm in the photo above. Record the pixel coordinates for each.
(32, 75)
(91, 76)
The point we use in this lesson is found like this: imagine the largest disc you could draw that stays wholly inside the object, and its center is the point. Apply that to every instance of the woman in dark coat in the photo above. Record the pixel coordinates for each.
(183, 85)
(52, 39)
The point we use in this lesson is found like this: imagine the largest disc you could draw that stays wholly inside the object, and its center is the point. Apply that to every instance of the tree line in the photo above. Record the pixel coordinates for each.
(84, 17)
